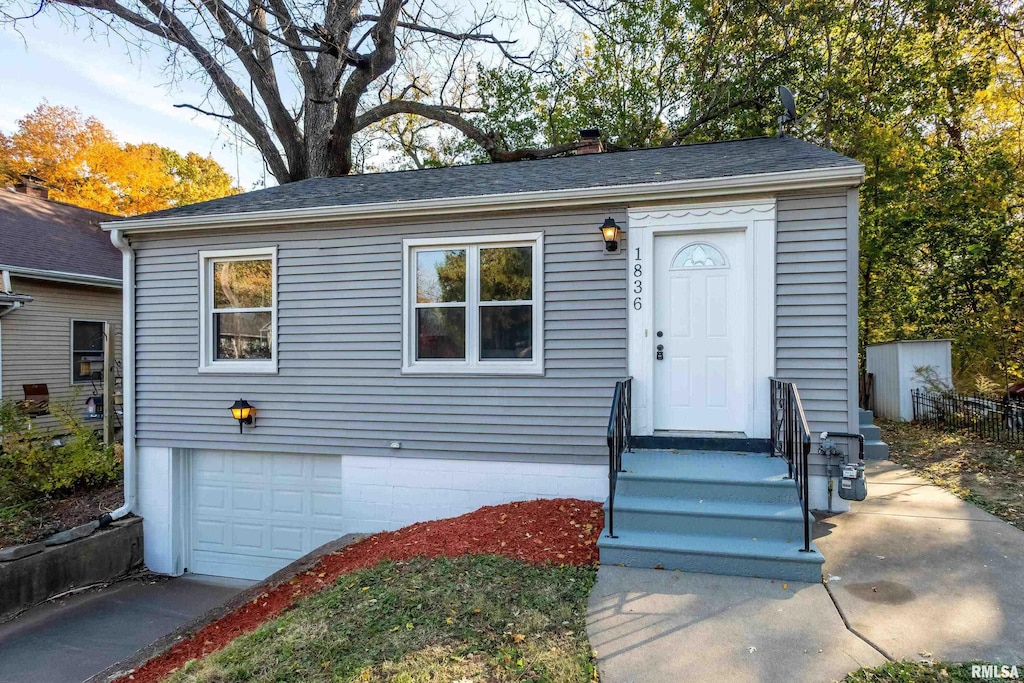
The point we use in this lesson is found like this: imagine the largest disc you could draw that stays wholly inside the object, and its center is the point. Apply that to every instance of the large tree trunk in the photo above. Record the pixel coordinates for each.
(241, 46)
(318, 119)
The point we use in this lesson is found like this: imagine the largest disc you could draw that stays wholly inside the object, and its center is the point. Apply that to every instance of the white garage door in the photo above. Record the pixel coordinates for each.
(254, 513)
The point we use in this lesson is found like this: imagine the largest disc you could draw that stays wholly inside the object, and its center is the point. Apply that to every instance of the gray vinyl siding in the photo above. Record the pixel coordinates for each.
(36, 339)
(816, 341)
(340, 389)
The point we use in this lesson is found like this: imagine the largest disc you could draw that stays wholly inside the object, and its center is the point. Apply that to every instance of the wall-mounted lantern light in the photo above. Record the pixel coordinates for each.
(243, 412)
(610, 232)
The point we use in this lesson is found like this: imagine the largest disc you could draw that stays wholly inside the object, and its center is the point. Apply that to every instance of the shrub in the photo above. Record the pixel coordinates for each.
(36, 462)
(988, 388)
(931, 381)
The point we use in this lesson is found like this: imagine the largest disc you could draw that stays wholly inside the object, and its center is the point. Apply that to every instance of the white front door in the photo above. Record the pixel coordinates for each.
(701, 341)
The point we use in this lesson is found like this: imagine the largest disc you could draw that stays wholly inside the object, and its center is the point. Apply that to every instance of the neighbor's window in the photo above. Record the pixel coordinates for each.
(86, 350)
(239, 315)
(473, 305)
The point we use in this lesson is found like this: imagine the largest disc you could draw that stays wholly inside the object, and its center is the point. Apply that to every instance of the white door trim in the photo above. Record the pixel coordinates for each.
(757, 220)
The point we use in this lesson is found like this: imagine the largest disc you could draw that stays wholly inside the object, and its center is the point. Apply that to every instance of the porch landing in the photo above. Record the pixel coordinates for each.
(718, 512)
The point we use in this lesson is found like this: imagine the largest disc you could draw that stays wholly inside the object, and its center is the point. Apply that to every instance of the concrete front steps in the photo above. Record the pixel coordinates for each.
(874, 447)
(715, 512)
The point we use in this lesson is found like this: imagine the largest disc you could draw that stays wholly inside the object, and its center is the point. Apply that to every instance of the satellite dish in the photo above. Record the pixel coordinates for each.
(789, 104)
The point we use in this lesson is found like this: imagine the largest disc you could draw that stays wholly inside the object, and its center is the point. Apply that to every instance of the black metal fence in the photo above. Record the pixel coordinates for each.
(994, 419)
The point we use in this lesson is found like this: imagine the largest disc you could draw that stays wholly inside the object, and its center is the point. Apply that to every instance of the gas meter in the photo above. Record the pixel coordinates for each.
(852, 483)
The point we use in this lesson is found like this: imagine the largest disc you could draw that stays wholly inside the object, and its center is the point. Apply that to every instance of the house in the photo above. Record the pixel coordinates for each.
(417, 344)
(61, 283)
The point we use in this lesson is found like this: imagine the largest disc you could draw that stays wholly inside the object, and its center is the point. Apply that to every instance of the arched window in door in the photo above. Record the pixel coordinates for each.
(699, 255)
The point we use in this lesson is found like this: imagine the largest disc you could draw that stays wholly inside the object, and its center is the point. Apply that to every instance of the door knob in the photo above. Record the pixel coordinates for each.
(660, 333)
(661, 347)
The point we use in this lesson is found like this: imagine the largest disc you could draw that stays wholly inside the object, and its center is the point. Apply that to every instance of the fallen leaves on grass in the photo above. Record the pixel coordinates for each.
(990, 475)
(532, 627)
(916, 672)
(560, 531)
(37, 519)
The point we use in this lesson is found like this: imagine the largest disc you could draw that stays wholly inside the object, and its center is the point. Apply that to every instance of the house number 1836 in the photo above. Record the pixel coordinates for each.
(638, 285)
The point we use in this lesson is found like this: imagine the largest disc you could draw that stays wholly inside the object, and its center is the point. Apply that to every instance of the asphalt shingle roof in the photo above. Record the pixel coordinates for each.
(48, 235)
(660, 164)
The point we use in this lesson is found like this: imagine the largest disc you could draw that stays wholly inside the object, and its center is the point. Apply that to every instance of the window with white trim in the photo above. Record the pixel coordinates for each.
(238, 316)
(474, 305)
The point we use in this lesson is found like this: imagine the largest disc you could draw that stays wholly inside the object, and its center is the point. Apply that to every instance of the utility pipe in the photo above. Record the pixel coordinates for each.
(128, 353)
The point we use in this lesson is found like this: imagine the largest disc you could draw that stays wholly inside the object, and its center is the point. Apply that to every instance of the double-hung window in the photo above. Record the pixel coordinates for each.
(474, 305)
(238, 311)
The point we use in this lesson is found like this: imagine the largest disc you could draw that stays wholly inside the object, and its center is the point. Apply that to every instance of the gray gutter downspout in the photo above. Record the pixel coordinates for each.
(11, 307)
(118, 238)
(10, 301)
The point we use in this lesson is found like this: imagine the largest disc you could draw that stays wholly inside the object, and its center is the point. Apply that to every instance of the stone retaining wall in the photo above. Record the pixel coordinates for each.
(82, 556)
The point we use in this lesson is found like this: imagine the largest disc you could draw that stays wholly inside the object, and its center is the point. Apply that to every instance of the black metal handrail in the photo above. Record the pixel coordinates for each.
(619, 434)
(791, 439)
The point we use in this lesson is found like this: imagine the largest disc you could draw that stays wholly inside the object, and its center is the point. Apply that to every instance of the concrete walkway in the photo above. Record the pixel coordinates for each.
(916, 572)
(922, 573)
(71, 639)
(651, 625)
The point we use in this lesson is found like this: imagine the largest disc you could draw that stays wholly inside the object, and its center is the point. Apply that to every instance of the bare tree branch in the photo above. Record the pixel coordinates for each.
(416, 57)
(284, 20)
(380, 60)
(33, 15)
(261, 74)
(203, 111)
(169, 27)
(450, 116)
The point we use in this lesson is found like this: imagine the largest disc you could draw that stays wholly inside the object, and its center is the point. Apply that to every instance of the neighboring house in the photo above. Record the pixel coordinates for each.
(421, 343)
(61, 282)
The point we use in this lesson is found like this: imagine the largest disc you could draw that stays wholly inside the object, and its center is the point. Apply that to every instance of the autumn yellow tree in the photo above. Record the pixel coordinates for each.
(83, 164)
(197, 178)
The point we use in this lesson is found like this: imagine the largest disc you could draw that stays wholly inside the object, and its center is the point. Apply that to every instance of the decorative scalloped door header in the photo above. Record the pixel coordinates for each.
(755, 220)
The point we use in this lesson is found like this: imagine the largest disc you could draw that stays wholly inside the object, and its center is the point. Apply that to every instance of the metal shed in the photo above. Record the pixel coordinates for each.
(895, 368)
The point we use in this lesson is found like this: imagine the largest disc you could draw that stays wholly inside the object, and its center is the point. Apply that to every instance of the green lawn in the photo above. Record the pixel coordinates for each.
(916, 672)
(465, 619)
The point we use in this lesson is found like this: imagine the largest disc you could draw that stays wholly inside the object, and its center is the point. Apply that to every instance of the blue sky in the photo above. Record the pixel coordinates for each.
(127, 93)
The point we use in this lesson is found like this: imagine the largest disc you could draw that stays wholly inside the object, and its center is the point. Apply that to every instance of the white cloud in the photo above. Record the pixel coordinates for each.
(126, 95)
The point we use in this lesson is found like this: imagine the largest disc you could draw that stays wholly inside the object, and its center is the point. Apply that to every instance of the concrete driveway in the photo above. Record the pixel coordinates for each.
(915, 571)
(662, 626)
(72, 639)
(921, 573)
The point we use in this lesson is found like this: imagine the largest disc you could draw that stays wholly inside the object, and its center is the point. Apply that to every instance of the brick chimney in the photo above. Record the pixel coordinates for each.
(591, 137)
(33, 186)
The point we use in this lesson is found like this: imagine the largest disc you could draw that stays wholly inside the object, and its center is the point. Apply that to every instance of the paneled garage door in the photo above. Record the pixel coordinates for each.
(252, 514)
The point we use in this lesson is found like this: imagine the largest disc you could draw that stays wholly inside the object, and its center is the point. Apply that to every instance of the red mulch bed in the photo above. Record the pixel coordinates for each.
(559, 531)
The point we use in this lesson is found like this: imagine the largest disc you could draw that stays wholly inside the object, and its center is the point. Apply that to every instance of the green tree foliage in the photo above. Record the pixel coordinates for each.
(196, 178)
(928, 94)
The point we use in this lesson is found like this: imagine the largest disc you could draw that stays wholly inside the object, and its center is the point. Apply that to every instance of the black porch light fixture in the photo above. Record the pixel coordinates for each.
(610, 233)
(243, 412)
